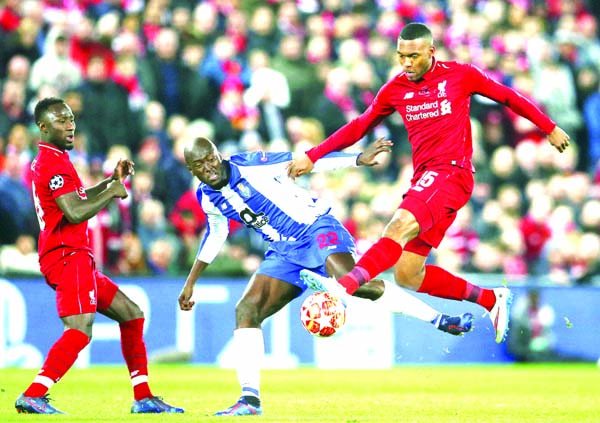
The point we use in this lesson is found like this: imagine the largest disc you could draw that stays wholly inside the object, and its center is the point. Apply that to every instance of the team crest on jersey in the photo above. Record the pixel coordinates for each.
(56, 182)
(442, 89)
(244, 190)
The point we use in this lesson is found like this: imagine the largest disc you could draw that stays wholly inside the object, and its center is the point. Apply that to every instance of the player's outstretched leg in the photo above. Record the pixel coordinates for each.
(35, 405)
(153, 405)
(317, 282)
(500, 313)
(455, 325)
(241, 408)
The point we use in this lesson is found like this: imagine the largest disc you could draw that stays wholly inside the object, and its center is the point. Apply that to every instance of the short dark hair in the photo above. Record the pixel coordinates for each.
(415, 30)
(43, 105)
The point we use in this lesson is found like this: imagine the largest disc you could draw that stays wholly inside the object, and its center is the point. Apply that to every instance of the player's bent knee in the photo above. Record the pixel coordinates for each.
(402, 228)
(247, 314)
(134, 311)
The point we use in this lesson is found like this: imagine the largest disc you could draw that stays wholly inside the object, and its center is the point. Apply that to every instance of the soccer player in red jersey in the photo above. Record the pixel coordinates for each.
(433, 98)
(63, 207)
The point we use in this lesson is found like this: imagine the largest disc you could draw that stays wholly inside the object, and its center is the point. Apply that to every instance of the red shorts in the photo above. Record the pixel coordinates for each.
(436, 195)
(80, 288)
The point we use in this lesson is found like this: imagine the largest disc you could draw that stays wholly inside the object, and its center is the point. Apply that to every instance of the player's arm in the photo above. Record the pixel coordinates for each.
(368, 157)
(212, 243)
(78, 210)
(346, 136)
(519, 104)
(121, 171)
(185, 296)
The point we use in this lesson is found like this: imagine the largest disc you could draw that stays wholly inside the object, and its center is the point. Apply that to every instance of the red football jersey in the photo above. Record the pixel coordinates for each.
(435, 111)
(53, 176)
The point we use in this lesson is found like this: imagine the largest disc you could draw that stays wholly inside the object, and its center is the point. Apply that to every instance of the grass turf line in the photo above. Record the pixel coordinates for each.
(434, 394)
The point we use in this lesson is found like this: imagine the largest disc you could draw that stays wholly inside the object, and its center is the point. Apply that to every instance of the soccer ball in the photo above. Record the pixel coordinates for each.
(322, 314)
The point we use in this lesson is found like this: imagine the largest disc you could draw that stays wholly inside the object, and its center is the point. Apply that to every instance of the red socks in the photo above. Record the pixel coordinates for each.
(134, 352)
(380, 257)
(64, 352)
(59, 360)
(440, 283)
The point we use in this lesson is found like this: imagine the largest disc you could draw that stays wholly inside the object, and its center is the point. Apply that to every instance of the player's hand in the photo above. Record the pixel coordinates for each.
(185, 296)
(559, 139)
(118, 189)
(368, 156)
(300, 166)
(123, 169)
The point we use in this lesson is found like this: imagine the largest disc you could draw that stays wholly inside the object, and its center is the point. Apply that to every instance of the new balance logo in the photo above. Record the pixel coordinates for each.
(409, 95)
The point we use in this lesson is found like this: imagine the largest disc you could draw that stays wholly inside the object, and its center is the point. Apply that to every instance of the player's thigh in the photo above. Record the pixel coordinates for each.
(73, 279)
(436, 196)
(264, 296)
(434, 201)
(327, 249)
(338, 264)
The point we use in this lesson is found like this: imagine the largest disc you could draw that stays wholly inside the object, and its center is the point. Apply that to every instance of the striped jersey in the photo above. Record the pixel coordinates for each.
(261, 196)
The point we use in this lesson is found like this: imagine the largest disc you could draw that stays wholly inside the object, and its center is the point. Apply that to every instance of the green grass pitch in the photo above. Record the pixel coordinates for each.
(566, 393)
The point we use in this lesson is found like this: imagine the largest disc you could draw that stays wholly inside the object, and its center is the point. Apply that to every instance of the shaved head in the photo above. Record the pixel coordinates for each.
(198, 148)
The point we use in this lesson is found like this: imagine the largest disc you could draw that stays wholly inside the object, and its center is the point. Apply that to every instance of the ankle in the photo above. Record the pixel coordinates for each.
(252, 400)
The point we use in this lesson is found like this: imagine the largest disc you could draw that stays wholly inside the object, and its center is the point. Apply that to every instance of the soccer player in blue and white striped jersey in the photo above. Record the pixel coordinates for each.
(254, 189)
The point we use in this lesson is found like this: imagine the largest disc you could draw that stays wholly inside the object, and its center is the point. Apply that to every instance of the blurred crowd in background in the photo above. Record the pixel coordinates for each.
(280, 75)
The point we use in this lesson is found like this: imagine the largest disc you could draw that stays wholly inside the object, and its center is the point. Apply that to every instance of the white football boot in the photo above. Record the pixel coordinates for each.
(499, 314)
(317, 282)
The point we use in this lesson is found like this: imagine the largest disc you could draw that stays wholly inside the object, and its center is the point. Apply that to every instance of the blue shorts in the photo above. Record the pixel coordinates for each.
(285, 259)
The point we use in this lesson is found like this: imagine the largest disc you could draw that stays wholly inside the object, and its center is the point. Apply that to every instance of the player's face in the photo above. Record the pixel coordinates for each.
(415, 57)
(58, 126)
(208, 168)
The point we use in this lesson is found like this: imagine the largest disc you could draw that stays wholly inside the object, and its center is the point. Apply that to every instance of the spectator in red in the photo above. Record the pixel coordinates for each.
(233, 117)
(85, 46)
(536, 232)
(10, 16)
(187, 217)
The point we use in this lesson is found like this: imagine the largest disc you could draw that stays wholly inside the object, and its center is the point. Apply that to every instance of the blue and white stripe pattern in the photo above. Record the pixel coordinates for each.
(261, 196)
